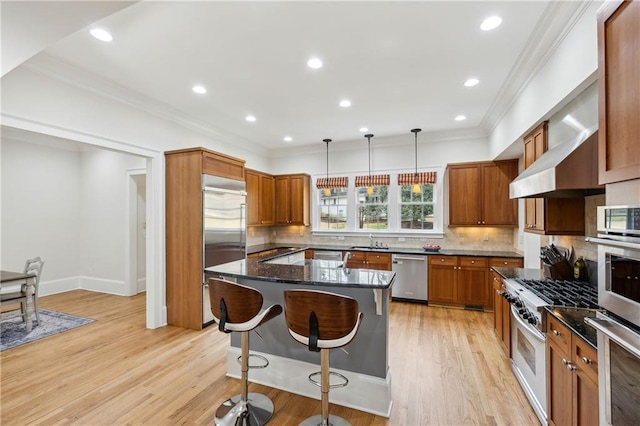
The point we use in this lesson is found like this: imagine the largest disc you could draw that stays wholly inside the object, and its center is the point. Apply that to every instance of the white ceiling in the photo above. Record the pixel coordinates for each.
(401, 64)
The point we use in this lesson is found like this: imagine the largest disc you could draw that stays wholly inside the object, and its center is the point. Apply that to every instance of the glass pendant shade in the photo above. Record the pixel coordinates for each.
(327, 192)
(369, 190)
(416, 188)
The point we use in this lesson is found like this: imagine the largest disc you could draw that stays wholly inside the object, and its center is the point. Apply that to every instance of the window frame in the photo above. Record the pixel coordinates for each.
(393, 211)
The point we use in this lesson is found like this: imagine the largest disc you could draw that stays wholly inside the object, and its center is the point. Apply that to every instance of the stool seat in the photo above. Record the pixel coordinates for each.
(237, 308)
(322, 321)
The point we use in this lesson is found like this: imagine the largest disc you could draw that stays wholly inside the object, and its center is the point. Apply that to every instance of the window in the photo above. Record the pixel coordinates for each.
(373, 208)
(333, 209)
(416, 209)
(391, 206)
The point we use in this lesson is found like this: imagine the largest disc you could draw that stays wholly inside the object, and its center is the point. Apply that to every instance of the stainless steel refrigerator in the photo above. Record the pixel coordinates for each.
(224, 228)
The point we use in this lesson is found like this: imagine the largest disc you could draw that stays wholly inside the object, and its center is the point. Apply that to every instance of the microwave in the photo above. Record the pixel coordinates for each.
(619, 221)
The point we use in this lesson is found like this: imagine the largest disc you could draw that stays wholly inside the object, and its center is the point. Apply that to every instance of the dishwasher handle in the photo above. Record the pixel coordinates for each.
(420, 259)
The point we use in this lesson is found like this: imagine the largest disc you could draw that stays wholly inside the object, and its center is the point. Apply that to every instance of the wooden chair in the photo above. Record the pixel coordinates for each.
(237, 308)
(31, 266)
(322, 321)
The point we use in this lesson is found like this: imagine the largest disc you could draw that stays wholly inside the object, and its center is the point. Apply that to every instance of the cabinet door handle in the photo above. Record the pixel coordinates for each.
(506, 263)
(569, 365)
(478, 222)
(586, 360)
(473, 261)
(557, 333)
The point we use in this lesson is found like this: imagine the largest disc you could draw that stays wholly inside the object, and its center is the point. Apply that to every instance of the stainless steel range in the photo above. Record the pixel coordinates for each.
(528, 299)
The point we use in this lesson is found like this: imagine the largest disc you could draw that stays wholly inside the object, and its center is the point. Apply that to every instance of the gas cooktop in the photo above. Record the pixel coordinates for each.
(578, 294)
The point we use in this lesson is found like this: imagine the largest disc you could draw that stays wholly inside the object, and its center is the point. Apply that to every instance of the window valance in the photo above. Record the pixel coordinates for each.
(422, 178)
(332, 182)
(376, 180)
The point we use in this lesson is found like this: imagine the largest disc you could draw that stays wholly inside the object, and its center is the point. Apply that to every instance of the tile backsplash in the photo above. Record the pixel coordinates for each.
(466, 238)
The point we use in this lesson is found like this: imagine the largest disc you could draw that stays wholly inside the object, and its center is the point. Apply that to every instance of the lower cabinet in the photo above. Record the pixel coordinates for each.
(459, 281)
(369, 260)
(572, 377)
(501, 314)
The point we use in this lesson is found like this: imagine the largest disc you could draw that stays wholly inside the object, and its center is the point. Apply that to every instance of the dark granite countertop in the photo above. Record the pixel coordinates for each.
(573, 318)
(394, 250)
(325, 273)
(522, 273)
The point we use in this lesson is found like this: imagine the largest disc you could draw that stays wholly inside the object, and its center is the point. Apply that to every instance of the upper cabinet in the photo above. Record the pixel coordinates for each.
(619, 91)
(479, 194)
(549, 216)
(260, 198)
(292, 199)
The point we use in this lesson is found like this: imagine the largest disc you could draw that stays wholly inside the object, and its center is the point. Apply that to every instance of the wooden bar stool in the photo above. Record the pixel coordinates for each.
(237, 308)
(322, 321)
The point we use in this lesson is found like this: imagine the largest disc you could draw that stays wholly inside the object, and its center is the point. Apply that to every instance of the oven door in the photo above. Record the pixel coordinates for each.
(528, 361)
(618, 372)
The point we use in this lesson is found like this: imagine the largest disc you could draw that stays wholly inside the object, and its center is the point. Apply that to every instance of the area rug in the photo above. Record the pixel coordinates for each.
(13, 331)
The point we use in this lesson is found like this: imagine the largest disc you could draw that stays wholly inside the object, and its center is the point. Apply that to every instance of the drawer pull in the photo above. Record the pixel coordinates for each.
(506, 263)
(586, 360)
(557, 333)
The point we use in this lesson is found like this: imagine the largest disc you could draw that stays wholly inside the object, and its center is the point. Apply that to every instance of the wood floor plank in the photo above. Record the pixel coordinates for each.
(447, 368)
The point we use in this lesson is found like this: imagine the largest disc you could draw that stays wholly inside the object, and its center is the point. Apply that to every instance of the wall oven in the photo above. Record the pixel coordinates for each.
(619, 328)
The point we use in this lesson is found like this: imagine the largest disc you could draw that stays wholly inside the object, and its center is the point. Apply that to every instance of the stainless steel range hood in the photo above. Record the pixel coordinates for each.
(569, 170)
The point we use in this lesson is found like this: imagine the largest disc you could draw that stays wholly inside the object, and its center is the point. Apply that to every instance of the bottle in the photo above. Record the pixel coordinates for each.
(579, 269)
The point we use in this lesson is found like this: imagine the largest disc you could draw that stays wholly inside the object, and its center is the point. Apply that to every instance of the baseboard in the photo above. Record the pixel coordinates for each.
(100, 285)
(365, 393)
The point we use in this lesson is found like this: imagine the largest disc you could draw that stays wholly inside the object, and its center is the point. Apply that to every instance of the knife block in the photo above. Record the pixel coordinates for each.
(561, 270)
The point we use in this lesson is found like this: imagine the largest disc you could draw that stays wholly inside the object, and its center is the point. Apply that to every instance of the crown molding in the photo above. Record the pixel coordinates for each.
(72, 75)
(555, 24)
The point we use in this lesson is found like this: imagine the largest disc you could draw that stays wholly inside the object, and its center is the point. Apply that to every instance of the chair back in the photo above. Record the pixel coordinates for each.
(242, 303)
(34, 266)
(336, 315)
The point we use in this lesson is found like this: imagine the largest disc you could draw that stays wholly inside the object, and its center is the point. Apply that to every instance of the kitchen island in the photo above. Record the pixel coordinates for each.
(365, 361)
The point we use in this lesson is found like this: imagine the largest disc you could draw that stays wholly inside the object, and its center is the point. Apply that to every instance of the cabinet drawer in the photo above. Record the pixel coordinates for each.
(443, 260)
(359, 256)
(506, 262)
(379, 257)
(560, 334)
(585, 358)
(473, 262)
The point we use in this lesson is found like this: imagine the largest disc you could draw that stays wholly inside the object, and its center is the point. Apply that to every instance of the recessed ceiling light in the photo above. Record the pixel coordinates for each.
(491, 23)
(250, 118)
(201, 90)
(364, 129)
(471, 82)
(460, 117)
(314, 63)
(101, 34)
(345, 103)
(287, 138)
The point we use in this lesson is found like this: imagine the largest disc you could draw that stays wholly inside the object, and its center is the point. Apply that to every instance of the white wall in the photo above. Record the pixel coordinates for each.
(568, 71)
(389, 153)
(104, 216)
(40, 208)
(69, 208)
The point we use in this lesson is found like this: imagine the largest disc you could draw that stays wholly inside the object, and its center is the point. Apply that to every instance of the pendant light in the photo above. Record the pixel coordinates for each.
(327, 191)
(369, 187)
(416, 185)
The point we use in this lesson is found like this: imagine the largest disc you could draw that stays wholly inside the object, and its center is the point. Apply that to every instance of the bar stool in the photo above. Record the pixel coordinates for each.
(236, 308)
(322, 321)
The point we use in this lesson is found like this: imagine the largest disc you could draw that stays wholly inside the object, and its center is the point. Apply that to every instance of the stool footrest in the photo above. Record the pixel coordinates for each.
(331, 373)
(265, 365)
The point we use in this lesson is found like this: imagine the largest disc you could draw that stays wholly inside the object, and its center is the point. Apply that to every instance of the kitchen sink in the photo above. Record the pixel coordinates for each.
(368, 248)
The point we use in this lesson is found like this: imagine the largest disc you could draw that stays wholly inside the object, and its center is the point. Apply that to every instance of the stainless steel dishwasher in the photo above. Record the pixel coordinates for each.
(411, 278)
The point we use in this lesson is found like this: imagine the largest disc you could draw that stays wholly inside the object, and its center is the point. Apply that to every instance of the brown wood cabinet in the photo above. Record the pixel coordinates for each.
(501, 308)
(369, 260)
(459, 281)
(292, 199)
(479, 194)
(260, 198)
(619, 91)
(501, 314)
(572, 377)
(549, 216)
(183, 210)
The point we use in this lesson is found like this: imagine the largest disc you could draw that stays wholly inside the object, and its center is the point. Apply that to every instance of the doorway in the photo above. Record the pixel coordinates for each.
(135, 267)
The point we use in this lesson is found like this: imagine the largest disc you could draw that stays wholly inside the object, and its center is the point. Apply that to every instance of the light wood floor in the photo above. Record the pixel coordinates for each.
(447, 368)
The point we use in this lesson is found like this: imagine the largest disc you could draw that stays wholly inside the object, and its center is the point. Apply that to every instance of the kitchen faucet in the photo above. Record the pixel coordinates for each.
(347, 256)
